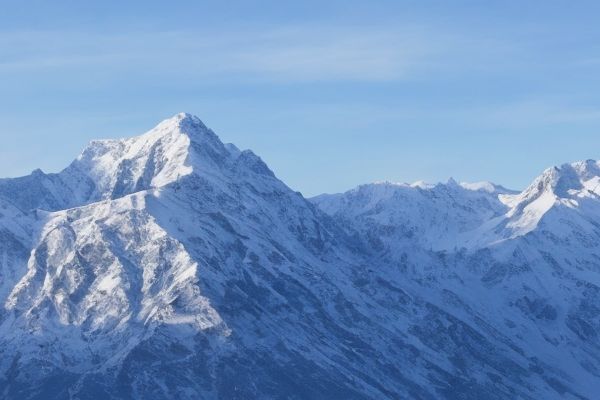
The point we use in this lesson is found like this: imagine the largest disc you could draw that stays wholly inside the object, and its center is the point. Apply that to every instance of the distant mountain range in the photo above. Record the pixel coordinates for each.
(173, 266)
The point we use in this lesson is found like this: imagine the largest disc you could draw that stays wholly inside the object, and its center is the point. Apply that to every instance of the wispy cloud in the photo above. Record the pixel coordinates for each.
(333, 55)
(297, 54)
(532, 112)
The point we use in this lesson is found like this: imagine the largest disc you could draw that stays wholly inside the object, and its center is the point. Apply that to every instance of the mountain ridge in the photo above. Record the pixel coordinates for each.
(171, 265)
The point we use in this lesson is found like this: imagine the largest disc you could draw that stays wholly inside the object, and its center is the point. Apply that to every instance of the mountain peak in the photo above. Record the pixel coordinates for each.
(587, 169)
(486, 186)
(558, 186)
(451, 182)
(185, 124)
(185, 116)
(185, 121)
(170, 150)
(112, 168)
(567, 180)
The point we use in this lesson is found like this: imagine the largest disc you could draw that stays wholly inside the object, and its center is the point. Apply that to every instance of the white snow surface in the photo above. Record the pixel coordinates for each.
(171, 265)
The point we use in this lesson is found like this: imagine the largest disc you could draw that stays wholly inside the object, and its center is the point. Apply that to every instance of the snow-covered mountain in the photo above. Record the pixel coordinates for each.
(437, 216)
(171, 265)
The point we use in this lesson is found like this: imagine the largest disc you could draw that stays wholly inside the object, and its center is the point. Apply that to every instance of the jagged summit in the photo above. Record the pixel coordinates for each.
(487, 186)
(175, 148)
(184, 124)
(153, 159)
(560, 183)
(451, 183)
(178, 131)
(433, 215)
(111, 168)
(567, 180)
(184, 117)
(554, 194)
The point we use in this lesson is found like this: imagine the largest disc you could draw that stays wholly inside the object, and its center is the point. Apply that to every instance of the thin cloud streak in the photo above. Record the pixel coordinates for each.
(301, 54)
(536, 112)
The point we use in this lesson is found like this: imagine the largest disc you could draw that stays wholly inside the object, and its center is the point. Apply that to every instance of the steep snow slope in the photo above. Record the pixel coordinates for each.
(170, 265)
(526, 264)
(174, 223)
(16, 230)
(569, 187)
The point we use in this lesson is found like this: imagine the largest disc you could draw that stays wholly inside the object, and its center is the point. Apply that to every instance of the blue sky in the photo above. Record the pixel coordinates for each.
(329, 94)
